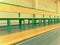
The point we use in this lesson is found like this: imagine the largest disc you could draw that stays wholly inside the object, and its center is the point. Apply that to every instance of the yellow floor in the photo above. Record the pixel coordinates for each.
(20, 36)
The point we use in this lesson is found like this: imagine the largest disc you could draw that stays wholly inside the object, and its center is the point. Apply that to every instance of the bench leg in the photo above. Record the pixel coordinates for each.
(9, 26)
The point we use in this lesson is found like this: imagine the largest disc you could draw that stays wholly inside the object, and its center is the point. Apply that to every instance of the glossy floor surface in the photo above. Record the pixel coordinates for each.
(49, 38)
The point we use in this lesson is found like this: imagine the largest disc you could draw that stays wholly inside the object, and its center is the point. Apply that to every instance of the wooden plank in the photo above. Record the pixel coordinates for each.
(17, 9)
(9, 8)
(20, 36)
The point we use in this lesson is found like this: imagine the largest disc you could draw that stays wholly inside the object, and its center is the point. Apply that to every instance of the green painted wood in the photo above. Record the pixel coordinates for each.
(20, 24)
(9, 26)
(49, 22)
(44, 22)
(40, 22)
(18, 14)
(35, 22)
(54, 19)
(24, 24)
(29, 23)
(25, 18)
(59, 21)
(32, 23)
